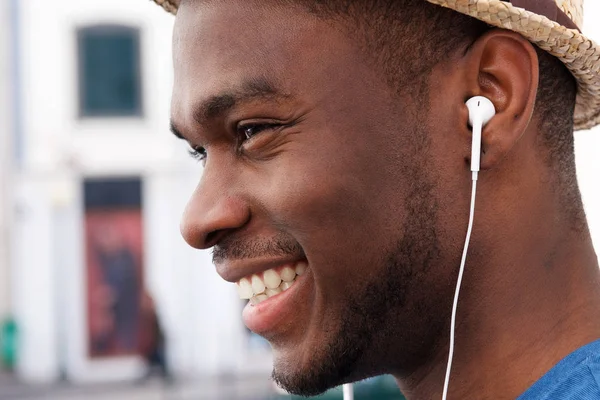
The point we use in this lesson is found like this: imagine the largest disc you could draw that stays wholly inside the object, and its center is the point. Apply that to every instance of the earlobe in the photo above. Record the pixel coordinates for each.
(503, 66)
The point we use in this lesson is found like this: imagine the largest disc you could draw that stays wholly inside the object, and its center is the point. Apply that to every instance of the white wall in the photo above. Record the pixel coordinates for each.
(587, 143)
(33, 278)
(5, 143)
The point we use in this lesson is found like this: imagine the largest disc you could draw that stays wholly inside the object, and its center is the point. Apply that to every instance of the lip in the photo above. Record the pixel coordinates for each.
(265, 317)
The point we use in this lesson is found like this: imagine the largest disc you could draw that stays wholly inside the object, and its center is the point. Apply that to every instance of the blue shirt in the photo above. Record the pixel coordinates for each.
(577, 376)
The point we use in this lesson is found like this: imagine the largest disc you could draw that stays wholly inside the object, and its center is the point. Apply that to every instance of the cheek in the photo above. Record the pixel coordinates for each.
(331, 207)
(320, 189)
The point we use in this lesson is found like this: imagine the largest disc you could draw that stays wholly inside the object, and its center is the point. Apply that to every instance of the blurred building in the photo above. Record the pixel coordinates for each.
(5, 144)
(98, 185)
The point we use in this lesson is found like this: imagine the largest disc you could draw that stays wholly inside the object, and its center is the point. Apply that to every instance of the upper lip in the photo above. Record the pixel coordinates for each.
(234, 270)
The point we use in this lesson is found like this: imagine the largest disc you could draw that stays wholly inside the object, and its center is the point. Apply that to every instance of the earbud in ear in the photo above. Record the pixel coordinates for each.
(481, 110)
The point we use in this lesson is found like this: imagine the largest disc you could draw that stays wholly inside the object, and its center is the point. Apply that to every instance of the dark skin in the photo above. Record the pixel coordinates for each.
(373, 189)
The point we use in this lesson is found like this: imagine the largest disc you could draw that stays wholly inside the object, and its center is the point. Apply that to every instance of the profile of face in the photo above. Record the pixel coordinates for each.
(310, 156)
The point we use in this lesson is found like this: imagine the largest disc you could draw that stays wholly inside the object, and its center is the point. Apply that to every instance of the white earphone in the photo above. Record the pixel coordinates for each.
(481, 111)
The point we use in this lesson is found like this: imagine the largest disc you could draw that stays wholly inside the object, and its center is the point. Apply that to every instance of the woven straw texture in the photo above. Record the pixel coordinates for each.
(168, 5)
(580, 54)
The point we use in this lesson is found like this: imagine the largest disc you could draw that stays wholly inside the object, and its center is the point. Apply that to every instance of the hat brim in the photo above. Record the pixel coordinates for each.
(580, 54)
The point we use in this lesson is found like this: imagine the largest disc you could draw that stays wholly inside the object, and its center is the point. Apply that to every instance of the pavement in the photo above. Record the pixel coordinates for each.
(154, 389)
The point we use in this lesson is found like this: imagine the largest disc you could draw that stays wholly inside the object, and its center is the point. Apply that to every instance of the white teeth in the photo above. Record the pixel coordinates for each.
(244, 288)
(271, 284)
(288, 274)
(260, 298)
(301, 267)
(258, 285)
(272, 279)
(272, 292)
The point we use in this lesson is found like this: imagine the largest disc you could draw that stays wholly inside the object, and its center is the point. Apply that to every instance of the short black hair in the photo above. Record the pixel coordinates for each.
(407, 38)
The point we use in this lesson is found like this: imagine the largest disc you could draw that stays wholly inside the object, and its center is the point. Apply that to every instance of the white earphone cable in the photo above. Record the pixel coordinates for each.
(458, 284)
(348, 391)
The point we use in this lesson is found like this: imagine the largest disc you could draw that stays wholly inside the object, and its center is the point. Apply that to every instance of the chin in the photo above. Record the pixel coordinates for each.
(315, 370)
(301, 381)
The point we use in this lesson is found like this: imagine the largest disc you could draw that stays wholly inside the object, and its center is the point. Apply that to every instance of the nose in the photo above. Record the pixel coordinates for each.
(211, 215)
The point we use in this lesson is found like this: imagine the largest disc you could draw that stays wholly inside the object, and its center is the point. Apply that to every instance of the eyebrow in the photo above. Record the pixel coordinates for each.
(219, 105)
(175, 131)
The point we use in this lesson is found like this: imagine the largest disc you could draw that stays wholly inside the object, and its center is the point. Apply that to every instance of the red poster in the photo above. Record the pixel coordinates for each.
(114, 246)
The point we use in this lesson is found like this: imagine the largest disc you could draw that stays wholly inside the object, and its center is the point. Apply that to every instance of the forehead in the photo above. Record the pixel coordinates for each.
(219, 45)
(231, 25)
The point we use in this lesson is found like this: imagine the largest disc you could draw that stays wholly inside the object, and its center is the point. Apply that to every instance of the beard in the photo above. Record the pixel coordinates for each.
(379, 316)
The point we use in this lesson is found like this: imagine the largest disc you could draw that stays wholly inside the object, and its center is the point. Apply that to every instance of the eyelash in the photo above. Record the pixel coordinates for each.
(242, 129)
(199, 153)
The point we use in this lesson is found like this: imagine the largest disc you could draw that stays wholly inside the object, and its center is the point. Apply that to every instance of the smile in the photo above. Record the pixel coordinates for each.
(260, 287)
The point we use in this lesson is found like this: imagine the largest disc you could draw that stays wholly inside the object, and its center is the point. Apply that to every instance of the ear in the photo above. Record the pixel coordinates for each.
(502, 66)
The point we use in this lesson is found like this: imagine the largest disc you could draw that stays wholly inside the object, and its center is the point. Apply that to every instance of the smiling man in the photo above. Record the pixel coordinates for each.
(336, 187)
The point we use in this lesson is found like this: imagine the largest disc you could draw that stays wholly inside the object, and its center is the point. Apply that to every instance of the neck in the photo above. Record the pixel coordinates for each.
(527, 301)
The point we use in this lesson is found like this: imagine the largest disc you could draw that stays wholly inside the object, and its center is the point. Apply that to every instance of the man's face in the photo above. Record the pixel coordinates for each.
(311, 157)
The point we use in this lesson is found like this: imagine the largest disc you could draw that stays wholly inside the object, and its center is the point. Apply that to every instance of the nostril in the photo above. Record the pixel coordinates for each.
(211, 238)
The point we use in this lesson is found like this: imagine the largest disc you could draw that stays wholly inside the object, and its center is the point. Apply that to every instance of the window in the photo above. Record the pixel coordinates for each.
(123, 193)
(109, 71)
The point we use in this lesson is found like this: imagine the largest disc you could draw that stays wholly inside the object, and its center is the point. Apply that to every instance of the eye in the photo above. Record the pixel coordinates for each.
(248, 131)
(198, 153)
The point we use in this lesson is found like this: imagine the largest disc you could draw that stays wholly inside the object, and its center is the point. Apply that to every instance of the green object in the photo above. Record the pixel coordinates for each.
(8, 343)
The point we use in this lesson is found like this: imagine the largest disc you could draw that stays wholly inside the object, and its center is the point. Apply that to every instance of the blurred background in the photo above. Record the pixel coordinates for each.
(99, 295)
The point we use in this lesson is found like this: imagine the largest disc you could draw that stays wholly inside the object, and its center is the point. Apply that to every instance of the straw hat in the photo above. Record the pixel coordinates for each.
(553, 25)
